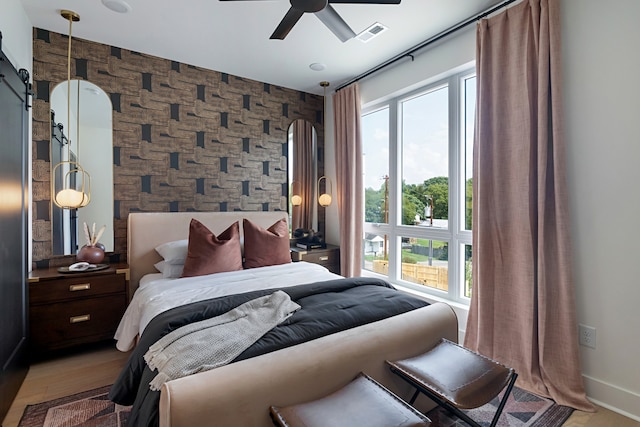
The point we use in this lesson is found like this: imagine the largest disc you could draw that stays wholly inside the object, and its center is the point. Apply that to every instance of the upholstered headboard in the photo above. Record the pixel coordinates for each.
(145, 231)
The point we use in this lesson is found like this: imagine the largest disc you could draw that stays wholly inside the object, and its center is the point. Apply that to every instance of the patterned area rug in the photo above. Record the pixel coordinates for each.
(87, 409)
(522, 409)
(93, 409)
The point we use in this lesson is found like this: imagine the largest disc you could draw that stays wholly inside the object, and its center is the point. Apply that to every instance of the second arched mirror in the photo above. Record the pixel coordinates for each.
(302, 138)
(89, 131)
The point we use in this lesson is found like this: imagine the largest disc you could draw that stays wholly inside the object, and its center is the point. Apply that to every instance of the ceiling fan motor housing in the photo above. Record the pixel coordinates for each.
(325, 13)
(309, 6)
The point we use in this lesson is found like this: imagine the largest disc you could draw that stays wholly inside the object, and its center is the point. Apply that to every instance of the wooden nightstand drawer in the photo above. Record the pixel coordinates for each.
(75, 287)
(63, 324)
(322, 256)
(328, 257)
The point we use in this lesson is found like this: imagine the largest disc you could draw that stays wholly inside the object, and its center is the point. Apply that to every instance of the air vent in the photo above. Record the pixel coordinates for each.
(371, 32)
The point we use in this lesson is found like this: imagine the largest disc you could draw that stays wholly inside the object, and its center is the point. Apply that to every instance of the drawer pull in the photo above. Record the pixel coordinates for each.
(78, 319)
(324, 258)
(80, 287)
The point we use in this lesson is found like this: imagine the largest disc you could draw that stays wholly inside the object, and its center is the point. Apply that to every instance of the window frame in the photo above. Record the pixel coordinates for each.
(455, 235)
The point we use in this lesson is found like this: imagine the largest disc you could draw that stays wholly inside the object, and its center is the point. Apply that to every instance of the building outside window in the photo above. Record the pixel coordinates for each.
(418, 150)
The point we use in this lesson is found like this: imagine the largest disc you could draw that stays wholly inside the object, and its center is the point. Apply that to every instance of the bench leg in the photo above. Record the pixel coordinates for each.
(507, 392)
(446, 405)
(454, 410)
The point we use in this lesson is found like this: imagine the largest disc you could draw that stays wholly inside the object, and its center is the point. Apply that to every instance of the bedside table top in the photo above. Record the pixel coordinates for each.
(52, 273)
(307, 251)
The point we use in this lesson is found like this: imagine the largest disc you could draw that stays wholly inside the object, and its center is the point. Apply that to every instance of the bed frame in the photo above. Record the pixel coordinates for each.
(239, 394)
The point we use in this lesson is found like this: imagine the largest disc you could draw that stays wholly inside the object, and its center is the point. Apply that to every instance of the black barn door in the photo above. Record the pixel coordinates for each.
(13, 230)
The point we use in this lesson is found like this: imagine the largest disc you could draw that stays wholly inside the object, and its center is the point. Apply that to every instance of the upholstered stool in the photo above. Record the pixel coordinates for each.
(457, 378)
(362, 402)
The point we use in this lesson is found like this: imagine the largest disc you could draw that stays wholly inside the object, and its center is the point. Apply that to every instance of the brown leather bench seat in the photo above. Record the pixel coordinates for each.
(362, 402)
(456, 378)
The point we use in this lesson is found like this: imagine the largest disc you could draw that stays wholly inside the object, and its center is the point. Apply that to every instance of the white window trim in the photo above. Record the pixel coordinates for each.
(456, 236)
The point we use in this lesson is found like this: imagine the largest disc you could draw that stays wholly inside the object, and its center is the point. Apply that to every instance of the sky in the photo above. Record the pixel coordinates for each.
(424, 134)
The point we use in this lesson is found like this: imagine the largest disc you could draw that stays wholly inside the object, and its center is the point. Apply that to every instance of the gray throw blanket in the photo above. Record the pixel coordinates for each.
(214, 342)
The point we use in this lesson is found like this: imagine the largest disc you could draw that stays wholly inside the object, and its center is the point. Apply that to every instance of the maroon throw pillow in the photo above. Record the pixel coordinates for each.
(266, 247)
(208, 254)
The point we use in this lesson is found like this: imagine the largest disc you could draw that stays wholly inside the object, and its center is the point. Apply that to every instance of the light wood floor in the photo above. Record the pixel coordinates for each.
(90, 369)
(63, 376)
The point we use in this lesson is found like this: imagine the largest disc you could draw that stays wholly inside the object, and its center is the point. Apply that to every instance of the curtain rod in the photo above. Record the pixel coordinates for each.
(427, 42)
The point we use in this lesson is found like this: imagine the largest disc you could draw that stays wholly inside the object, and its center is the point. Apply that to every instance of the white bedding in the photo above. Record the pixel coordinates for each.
(156, 295)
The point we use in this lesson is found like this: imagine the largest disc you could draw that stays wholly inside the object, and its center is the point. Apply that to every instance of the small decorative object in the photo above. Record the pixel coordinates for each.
(311, 240)
(93, 251)
(91, 254)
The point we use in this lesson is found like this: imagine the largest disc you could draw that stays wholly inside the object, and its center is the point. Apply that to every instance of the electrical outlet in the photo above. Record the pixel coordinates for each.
(587, 336)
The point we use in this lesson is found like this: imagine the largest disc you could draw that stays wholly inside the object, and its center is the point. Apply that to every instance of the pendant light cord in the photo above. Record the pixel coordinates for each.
(69, 92)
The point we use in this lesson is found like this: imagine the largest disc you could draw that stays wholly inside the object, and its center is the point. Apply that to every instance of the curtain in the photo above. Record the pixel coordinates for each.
(522, 310)
(302, 182)
(348, 145)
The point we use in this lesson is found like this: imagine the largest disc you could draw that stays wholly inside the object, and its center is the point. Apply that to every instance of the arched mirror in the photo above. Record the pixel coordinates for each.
(89, 132)
(303, 140)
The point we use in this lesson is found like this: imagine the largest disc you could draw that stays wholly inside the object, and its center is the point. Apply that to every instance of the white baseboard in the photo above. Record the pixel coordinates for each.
(612, 397)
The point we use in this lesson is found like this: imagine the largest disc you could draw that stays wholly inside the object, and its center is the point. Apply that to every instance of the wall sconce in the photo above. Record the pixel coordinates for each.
(296, 199)
(70, 183)
(325, 198)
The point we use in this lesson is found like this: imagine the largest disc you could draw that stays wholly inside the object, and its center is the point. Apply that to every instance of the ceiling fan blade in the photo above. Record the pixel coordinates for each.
(335, 23)
(365, 1)
(287, 23)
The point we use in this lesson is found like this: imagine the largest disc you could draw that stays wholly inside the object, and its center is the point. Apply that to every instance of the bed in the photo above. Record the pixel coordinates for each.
(241, 392)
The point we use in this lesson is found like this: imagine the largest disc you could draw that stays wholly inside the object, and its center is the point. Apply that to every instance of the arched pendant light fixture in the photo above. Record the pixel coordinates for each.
(325, 198)
(70, 183)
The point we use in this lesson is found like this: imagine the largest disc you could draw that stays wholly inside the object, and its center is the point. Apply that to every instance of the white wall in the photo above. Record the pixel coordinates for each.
(601, 58)
(16, 34)
(602, 102)
(445, 57)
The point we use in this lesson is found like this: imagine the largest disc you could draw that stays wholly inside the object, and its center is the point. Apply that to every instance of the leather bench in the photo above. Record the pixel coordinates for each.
(362, 402)
(456, 378)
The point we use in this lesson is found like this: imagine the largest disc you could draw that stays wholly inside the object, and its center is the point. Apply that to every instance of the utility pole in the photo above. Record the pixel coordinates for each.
(430, 201)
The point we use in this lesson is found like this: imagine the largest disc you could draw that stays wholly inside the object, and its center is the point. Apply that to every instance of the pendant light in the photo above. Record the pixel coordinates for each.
(296, 198)
(325, 198)
(70, 183)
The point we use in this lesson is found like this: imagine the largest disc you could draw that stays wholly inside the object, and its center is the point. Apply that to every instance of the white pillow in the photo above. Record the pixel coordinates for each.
(169, 271)
(174, 252)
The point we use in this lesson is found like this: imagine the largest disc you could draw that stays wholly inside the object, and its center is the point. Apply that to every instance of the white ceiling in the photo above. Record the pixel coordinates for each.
(233, 36)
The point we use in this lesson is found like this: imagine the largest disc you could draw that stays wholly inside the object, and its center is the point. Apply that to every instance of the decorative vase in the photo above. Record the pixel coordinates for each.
(90, 254)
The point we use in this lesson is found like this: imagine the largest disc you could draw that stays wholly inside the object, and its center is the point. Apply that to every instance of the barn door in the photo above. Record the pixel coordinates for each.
(14, 193)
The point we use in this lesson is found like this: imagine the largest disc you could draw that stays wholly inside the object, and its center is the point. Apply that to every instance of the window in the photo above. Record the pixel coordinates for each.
(418, 151)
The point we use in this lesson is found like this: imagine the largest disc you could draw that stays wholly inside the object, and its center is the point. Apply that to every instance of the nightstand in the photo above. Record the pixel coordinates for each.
(69, 309)
(328, 257)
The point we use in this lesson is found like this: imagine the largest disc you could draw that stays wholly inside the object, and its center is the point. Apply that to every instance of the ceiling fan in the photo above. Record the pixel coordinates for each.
(324, 11)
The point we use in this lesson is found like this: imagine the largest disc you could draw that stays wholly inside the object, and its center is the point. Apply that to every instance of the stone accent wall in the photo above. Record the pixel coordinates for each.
(184, 138)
